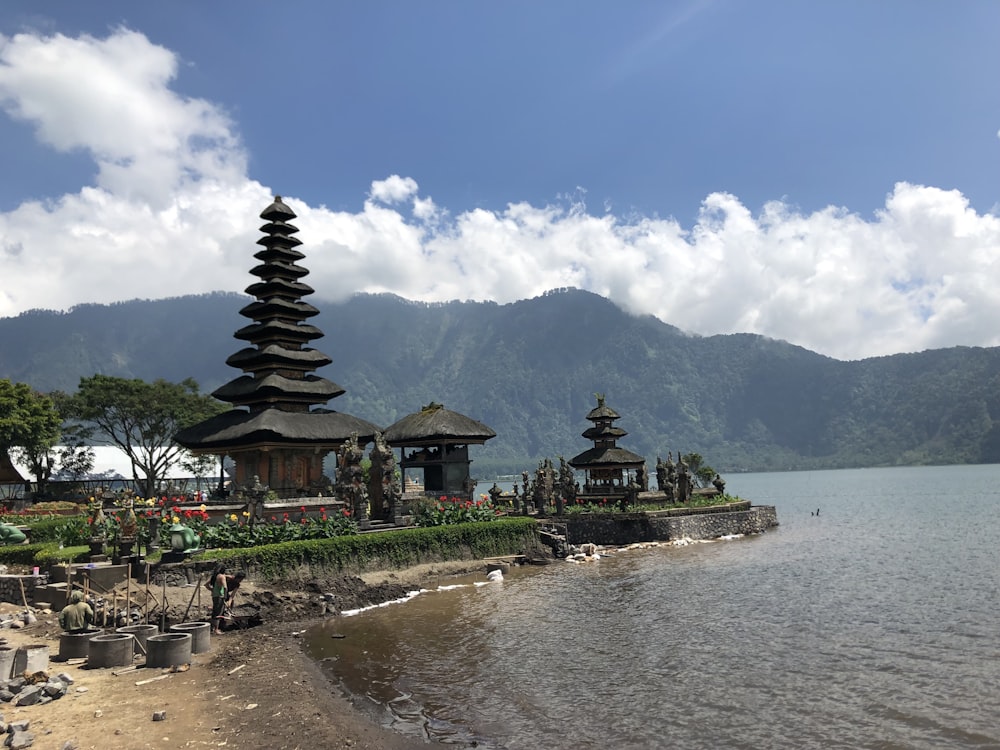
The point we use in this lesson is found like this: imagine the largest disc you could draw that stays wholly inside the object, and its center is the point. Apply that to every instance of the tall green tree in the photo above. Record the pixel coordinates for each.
(29, 427)
(141, 418)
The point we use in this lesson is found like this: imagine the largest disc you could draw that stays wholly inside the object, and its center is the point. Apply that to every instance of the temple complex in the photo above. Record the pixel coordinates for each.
(278, 432)
(436, 442)
(607, 466)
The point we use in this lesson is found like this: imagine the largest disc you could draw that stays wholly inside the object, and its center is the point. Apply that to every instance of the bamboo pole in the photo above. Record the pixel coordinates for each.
(163, 609)
(128, 594)
(145, 615)
(193, 594)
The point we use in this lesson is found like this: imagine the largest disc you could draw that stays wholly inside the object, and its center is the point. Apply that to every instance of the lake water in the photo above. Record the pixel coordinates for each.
(871, 625)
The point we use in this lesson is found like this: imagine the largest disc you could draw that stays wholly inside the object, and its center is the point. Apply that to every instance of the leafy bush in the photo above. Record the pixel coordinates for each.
(51, 554)
(22, 554)
(450, 510)
(236, 531)
(389, 549)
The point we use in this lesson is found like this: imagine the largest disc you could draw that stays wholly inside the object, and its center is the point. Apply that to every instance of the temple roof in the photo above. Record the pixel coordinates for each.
(278, 307)
(435, 424)
(602, 411)
(247, 389)
(604, 432)
(277, 331)
(606, 458)
(275, 355)
(239, 428)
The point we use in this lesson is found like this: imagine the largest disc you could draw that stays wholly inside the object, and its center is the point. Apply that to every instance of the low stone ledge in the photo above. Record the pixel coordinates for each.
(630, 528)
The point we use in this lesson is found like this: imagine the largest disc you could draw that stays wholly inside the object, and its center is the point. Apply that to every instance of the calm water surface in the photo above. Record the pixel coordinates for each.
(871, 625)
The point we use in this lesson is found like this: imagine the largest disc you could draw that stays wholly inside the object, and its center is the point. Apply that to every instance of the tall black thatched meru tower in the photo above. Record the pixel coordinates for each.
(278, 429)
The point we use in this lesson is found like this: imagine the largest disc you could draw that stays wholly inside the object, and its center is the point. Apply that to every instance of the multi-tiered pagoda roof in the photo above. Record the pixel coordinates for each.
(278, 400)
(606, 464)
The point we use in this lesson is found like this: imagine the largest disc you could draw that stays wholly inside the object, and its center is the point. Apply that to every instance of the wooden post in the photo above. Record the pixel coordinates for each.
(128, 594)
(145, 617)
(193, 593)
(163, 607)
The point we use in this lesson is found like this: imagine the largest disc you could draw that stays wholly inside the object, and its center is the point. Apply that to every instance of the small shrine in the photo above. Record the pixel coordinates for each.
(609, 469)
(278, 432)
(436, 442)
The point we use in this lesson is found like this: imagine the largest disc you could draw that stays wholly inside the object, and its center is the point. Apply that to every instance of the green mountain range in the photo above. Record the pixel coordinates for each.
(530, 370)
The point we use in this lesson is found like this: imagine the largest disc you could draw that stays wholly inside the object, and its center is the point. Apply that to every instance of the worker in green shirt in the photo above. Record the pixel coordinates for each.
(77, 616)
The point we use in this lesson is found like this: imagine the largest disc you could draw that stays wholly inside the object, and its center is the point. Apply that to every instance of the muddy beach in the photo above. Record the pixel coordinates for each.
(255, 688)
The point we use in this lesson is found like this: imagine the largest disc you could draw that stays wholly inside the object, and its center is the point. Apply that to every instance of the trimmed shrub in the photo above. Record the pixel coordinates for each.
(388, 549)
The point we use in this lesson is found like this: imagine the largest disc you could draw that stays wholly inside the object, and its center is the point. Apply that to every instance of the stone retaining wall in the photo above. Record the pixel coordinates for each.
(629, 528)
(10, 588)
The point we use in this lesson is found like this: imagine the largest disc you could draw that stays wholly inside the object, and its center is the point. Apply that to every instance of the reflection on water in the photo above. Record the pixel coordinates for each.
(872, 624)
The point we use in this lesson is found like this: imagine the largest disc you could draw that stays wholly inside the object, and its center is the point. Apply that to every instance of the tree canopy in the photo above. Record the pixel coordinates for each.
(141, 418)
(29, 425)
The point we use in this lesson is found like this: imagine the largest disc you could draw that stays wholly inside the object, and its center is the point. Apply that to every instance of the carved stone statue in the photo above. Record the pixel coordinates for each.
(495, 492)
(567, 482)
(683, 480)
(256, 495)
(641, 478)
(385, 492)
(129, 523)
(350, 479)
(720, 484)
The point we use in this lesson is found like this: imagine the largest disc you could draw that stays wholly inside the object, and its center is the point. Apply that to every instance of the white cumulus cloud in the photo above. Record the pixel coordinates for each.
(173, 211)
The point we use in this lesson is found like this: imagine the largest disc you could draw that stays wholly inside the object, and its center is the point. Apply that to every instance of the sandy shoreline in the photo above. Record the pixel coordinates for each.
(256, 688)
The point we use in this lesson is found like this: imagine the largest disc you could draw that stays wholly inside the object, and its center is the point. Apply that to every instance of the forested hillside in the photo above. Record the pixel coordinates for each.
(530, 371)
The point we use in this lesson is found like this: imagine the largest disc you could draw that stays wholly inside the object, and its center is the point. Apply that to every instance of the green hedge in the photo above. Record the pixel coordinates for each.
(41, 554)
(388, 549)
(46, 529)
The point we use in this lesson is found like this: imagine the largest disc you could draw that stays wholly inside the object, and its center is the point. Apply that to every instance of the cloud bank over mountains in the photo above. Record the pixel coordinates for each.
(172, 210)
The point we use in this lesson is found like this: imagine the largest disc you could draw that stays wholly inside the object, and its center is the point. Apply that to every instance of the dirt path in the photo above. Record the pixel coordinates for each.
(256, 688)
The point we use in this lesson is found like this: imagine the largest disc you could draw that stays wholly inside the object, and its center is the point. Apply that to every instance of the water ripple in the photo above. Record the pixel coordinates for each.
(869, 626)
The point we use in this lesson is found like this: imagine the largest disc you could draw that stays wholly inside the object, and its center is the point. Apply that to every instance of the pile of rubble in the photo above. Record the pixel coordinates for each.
(18, 737)
(34, 689)
(29, 690)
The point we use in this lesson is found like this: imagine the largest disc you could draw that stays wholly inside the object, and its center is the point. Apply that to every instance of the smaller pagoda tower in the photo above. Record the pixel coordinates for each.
(606, 465)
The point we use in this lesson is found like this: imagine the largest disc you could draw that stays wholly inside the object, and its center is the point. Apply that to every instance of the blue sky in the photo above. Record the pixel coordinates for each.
(823, 172)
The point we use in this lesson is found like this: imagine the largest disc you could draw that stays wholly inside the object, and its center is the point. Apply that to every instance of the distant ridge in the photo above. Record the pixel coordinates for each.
(529, 370)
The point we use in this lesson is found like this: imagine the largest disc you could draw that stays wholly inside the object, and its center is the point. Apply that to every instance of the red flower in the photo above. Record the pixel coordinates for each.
(322, 517)
(303, 509)
(347, 513)
(303, 521)
(322, 509)
(274, 518)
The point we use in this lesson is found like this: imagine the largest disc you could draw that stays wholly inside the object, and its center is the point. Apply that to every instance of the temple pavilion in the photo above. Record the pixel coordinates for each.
(278, 430)
(436, 442)
(608, 468)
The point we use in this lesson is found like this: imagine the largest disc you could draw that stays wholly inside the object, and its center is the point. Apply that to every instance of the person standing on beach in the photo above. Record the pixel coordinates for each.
(220, 592)
(232, 586)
